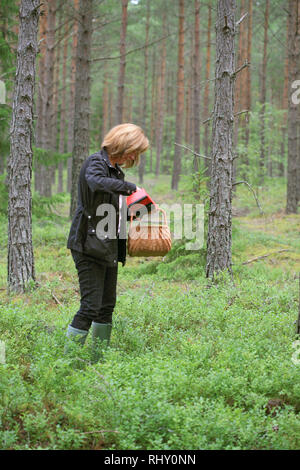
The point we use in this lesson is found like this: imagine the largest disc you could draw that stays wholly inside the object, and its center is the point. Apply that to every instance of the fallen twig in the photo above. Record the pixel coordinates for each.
(52, 294)
(264, 256)
(56, 299)
(100, 430)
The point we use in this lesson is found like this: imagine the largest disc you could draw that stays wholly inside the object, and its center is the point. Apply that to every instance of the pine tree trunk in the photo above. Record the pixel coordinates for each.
(40, 100)
(263, 96)
(145, 98)
(19, 168)
(169, 126)
(189, 118)
(294, 61)
(54, 130)
(281, 168)
(70, 141)
(82, 96)
(242, 85)
(238, 88)
(48, 112)
(206, 93)
(197, 88)
(161, 100)
(180, 100)
(62, 131)
(298, 164)
(122, 67)
(298, 122)
(105, 103)
(248, 71)
(153, 108)
(111, 104)
(128, 99)
(219, 226)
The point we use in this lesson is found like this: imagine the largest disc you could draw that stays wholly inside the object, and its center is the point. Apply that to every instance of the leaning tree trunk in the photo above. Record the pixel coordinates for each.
(219, 226)
(82, 96)
(294, 58)
(19, 168)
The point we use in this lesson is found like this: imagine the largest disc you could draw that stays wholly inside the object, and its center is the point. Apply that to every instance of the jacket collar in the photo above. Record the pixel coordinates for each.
(107, 161)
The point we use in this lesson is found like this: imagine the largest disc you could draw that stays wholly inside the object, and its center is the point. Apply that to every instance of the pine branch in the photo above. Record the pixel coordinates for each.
(257, 201)
(134, 50)
(195, 153)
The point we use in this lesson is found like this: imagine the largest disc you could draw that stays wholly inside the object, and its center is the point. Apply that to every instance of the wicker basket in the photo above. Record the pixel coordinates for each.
(149, 240)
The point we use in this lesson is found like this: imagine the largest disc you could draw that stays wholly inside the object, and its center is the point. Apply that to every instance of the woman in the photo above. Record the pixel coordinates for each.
(96, 252)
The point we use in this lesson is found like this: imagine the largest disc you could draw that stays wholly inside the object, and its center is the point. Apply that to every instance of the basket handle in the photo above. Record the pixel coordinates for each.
(158, 209)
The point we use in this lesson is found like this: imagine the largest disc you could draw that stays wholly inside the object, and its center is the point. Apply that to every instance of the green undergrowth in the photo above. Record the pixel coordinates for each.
(192, 365)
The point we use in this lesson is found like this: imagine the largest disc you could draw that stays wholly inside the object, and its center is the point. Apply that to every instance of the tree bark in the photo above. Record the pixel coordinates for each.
(219, 256)
(145, 97)
(111, 104)
(281, 169)
(63, 122)
(248, 71)
(169, 126)
(48, 112)
(122, 67)
(40, 100)
(70, 141)
(105, 103)
(180, 100)
(294, 60)
(161, 100)
(153, 108)
(82, 96)
(197, 88)
(263, 97)
(19, 168)
(238, 88)
(206, 92)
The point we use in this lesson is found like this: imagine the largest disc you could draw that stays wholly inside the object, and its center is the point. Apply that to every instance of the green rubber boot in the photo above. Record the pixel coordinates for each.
(74, 334)
(100, 339)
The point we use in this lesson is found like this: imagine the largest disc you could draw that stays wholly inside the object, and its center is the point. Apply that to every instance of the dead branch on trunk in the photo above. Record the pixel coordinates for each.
(253, 192)
(195, 153)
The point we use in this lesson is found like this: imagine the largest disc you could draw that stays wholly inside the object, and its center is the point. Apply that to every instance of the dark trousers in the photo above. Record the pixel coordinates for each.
(98, 285)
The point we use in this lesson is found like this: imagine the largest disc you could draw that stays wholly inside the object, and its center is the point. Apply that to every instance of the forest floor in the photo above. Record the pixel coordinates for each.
(191, 365)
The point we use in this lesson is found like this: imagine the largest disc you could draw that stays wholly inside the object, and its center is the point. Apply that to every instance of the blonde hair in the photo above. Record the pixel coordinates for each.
(126, 139)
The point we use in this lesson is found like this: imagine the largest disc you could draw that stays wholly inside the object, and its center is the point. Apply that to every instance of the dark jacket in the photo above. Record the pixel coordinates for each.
(99, 182)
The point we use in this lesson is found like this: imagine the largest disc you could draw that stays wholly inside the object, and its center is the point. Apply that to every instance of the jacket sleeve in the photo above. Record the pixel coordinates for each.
(97, 180)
